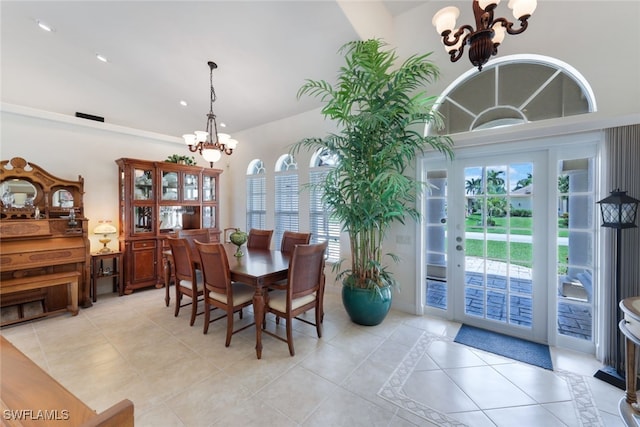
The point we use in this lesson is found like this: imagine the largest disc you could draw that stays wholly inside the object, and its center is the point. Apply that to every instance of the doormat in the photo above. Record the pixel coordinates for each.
(514, 348)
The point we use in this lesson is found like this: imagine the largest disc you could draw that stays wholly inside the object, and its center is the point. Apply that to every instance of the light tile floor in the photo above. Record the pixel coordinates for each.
(405, 372)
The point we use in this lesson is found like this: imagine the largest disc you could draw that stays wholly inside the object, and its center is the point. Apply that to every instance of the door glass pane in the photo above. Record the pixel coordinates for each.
(142, 219)
(143, 184)
(575, 247)
(499, 243)
(436, 236)
(208, 188)
(190, 187)
(169, 185)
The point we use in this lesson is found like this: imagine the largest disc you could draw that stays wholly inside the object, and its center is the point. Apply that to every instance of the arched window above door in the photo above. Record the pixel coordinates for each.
(512, 90)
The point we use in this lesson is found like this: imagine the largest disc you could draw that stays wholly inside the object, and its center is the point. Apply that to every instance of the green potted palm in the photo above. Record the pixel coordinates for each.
(380, 109)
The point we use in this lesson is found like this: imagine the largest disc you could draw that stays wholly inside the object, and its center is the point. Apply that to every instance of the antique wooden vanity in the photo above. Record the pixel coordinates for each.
(44, 246)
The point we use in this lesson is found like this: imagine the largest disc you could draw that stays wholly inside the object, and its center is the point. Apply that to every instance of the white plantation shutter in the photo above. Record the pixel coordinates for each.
(286, 214)
(322, 225)
(256, 197)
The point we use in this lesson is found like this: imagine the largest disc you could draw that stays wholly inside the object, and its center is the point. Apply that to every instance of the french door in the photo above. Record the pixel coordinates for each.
(486, 241)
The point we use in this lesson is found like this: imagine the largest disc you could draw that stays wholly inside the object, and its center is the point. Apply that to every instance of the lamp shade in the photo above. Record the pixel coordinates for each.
(445, 19)
(105, 228)
(619, 210)
(522, 7)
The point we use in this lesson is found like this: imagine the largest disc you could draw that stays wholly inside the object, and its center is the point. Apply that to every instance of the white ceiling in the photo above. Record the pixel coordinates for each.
(158, 53)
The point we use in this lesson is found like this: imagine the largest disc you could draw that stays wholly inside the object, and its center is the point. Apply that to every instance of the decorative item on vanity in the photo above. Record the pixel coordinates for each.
(238, 238)
(371, 188)
(105, 228)
(210, 144)
(619, 211)
(484, 40)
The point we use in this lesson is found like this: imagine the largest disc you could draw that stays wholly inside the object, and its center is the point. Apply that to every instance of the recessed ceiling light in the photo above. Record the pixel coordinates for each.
(183, 103)
(223, 125)
(101, 58)
(44, 26)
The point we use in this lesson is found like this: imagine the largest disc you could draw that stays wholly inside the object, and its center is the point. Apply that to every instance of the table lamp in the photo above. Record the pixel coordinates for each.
(105, 228)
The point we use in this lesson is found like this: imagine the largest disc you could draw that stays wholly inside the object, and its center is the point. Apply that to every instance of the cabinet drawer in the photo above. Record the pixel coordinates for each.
(145, 244)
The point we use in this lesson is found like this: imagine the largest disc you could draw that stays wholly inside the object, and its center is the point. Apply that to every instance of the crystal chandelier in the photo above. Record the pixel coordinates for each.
(210, 144)
(484, 40)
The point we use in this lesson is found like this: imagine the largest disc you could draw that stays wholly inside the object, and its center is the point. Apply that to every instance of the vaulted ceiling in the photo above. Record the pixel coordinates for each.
(157, 53)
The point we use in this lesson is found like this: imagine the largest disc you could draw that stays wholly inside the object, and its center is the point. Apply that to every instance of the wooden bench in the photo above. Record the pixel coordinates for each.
(69, 278)
(30, 397)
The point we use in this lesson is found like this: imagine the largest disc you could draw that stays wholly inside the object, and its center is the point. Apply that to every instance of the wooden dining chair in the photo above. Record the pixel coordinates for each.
(304, 291)
(259, 239)
(199, 234)
(219, 291)
(188, 281)
(292, 238)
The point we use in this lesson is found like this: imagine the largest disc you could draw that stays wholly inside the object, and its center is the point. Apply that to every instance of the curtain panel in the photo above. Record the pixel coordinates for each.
(621, 171)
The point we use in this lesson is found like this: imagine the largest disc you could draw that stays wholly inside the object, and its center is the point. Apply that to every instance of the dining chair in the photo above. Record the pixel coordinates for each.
(292, 238)
(304, 291)
(219, 291)
(188, 281)
(259, 239)
(289, 240)
(199, 234)
(227, 233)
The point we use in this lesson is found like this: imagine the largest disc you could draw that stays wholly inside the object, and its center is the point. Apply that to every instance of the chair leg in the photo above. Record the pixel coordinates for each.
(207, 311)
(178, 301)
(241, 313)
(292, 352)
(319, 322)
(229, 326)
(194, 309)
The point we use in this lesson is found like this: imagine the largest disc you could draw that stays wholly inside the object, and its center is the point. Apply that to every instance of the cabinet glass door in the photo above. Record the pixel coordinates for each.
(208, 188)
(190, 187)
(143, 184)
(169, 186)
(209, 217)
(142, 219)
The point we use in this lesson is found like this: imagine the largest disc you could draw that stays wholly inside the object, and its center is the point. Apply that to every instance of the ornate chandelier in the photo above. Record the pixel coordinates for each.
(484, 40)
(210, 144)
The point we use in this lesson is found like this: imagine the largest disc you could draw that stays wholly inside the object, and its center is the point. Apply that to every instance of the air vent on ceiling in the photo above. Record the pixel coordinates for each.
(90, 117)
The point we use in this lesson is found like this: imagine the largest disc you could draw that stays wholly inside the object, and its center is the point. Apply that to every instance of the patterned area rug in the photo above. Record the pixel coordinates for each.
(393, 390)
(514, 348)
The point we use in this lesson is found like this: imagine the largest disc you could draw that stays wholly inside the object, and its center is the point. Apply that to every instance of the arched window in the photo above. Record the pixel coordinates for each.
(287, 195)
(514, 89)
(323, 226)
(256, 195)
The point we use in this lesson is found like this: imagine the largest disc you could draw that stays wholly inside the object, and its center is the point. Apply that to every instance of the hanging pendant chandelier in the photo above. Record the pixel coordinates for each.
(209, 143)
(484, 40)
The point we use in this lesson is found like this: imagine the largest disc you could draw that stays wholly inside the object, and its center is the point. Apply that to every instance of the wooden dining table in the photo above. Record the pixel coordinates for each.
(258, 268)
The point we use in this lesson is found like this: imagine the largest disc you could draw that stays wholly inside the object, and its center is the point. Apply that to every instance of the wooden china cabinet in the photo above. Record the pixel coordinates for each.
(156, 200)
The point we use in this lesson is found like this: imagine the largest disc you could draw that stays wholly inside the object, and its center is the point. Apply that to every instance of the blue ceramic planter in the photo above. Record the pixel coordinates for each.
(366, 307)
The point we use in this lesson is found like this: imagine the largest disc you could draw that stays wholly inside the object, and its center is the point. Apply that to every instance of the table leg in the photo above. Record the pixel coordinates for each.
(631, 373)
(258, 310)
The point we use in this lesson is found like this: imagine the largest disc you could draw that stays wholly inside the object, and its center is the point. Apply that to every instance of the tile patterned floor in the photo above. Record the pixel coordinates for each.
(405, 372)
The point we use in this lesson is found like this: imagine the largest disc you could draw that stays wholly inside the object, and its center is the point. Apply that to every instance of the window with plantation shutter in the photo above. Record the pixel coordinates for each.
(323, 226)
(256, 195)
(287, 195)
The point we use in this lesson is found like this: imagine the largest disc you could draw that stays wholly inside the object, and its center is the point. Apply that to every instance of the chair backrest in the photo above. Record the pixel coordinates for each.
(215, 267)
(227, 233)
(182, 261)
(199, 234)
(259, 239)
(306, 270)
(291, 238)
